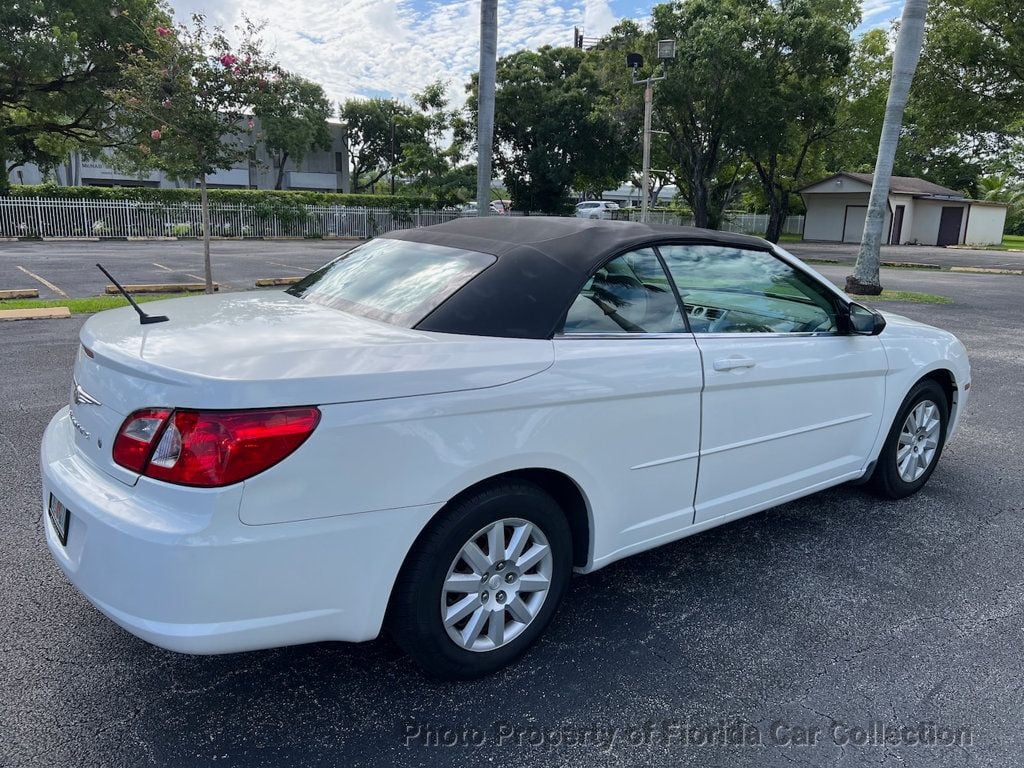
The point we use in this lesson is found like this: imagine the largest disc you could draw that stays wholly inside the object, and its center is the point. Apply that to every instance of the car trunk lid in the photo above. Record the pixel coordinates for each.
(264, 350)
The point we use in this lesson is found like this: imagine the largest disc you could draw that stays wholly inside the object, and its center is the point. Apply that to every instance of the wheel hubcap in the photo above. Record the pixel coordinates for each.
(918, 441)
(496, 585)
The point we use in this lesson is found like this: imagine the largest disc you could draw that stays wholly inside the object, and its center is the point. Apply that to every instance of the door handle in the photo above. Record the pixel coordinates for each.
(733, 363)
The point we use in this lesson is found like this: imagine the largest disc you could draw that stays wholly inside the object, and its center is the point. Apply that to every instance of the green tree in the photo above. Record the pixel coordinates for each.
(186, 100)
(800, 57)
(703, 103)
(861, 107)
(58, 58)
(550, 134)
(377, 130)
(622, 100)
(432, 163)
(293, 119)
(967, 105)
(1005, 188)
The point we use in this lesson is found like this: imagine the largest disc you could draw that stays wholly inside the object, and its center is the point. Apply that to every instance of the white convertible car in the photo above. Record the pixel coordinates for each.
(429, 433)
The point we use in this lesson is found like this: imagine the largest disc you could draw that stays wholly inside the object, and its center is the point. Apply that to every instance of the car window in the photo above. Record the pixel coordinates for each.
(396, 281)
(733, 290)
(629, 294)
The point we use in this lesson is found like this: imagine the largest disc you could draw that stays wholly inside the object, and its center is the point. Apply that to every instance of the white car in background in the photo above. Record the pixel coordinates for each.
(432, 431)
(595, 209)
(500, 207)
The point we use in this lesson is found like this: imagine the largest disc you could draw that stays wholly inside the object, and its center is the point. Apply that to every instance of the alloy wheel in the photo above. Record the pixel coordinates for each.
(496, 585)
(918, 441)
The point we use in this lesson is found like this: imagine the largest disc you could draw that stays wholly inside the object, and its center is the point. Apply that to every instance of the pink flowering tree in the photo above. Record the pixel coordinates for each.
(186, 101)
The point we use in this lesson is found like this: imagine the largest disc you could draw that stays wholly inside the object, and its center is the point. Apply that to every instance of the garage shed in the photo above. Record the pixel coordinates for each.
(920, 213)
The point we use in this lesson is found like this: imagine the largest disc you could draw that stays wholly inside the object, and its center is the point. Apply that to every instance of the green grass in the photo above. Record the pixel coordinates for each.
(910, 296)
(85, 306)
(785, 238)
(1010, 242)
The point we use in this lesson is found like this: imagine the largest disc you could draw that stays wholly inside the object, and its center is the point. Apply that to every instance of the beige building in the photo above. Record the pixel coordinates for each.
(920, 213)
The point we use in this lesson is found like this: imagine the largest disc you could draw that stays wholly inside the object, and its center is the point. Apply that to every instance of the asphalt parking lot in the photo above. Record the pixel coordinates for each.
(68, 267)
(822, 616)
(846, 253)
(58, 268)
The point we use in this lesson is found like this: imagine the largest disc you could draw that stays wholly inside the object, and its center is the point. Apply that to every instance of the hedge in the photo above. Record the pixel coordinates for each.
(269, 198)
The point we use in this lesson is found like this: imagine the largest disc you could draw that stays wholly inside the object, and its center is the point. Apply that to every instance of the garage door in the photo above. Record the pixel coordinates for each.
(853, 227)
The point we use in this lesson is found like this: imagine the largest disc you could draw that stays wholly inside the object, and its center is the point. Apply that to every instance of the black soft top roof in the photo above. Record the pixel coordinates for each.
(541, 264)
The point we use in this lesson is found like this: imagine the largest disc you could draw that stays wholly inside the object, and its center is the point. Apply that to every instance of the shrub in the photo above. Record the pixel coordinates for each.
(268, 199)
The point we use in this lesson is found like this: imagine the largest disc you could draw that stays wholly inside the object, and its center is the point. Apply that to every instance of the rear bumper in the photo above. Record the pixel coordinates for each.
(176, 566)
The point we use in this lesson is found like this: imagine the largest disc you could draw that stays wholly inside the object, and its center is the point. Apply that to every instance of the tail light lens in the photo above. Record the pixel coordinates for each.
(134, 441)
(208, 449)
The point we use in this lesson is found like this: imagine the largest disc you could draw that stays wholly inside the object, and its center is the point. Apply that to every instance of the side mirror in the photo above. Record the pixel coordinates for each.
(861, 321)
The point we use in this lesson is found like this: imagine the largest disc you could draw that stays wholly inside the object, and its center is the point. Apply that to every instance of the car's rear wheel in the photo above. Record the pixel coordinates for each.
(914, 444)
(483, 581)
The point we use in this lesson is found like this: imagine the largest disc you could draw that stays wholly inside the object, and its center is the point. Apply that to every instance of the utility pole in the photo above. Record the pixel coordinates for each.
(645, 184)
(485, 103)
(666, 51)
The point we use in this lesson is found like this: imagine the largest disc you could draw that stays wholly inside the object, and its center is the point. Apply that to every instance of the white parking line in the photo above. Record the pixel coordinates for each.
(288, 266)
(161, 266)
(44, 281)
(197, 277)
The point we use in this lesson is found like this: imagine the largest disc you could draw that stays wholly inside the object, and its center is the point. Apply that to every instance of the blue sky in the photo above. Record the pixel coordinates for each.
(395, 47)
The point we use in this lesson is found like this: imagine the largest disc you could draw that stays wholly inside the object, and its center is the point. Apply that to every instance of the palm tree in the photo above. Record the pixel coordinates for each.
(864, 279)
(1001, 188)
(485, 101)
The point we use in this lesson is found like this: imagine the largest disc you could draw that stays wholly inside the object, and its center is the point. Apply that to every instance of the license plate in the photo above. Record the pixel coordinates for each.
(59, 516)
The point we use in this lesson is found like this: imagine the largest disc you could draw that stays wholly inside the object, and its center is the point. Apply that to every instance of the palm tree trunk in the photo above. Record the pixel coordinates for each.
(865, 279)
(485, 101)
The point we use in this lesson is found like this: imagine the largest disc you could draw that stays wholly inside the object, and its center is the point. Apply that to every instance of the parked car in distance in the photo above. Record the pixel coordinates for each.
(500, 207)
(595, 209)
(431, 432)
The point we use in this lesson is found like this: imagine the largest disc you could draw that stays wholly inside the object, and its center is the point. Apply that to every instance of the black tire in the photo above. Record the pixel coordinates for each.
(885, 480)
(414, 616)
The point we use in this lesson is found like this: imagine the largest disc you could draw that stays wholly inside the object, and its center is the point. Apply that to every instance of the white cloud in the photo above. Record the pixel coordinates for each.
(598, 18)
(395, 47)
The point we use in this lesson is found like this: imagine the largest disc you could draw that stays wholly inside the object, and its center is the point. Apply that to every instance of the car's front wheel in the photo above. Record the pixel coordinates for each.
(914, 444)
(483, 581)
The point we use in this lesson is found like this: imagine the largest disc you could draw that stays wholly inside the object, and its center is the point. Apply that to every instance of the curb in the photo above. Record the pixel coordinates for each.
(45, 313)
(987, 271)
(162, 288)
(20, 293)
(909, 265)
(269, 282)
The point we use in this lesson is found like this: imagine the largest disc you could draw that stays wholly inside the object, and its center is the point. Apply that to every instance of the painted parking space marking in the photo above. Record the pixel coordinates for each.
(195, 277)
(161, 266)
(44, 281)
(288, 266)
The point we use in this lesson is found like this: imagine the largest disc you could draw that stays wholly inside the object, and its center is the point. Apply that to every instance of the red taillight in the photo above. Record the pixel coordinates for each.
(214, 448)
(135, 440)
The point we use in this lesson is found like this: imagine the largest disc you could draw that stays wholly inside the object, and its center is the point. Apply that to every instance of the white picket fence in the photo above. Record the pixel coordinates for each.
(69, 218)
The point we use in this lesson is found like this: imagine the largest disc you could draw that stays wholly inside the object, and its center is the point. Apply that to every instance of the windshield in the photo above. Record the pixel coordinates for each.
(395, 281)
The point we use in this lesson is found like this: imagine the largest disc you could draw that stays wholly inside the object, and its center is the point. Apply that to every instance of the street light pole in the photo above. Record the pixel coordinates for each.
(666, 51)
(645, 186)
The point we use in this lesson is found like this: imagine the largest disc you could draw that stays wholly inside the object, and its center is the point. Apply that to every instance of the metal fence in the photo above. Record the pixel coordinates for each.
(68, 217)
(749, 223)
(71, 218)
